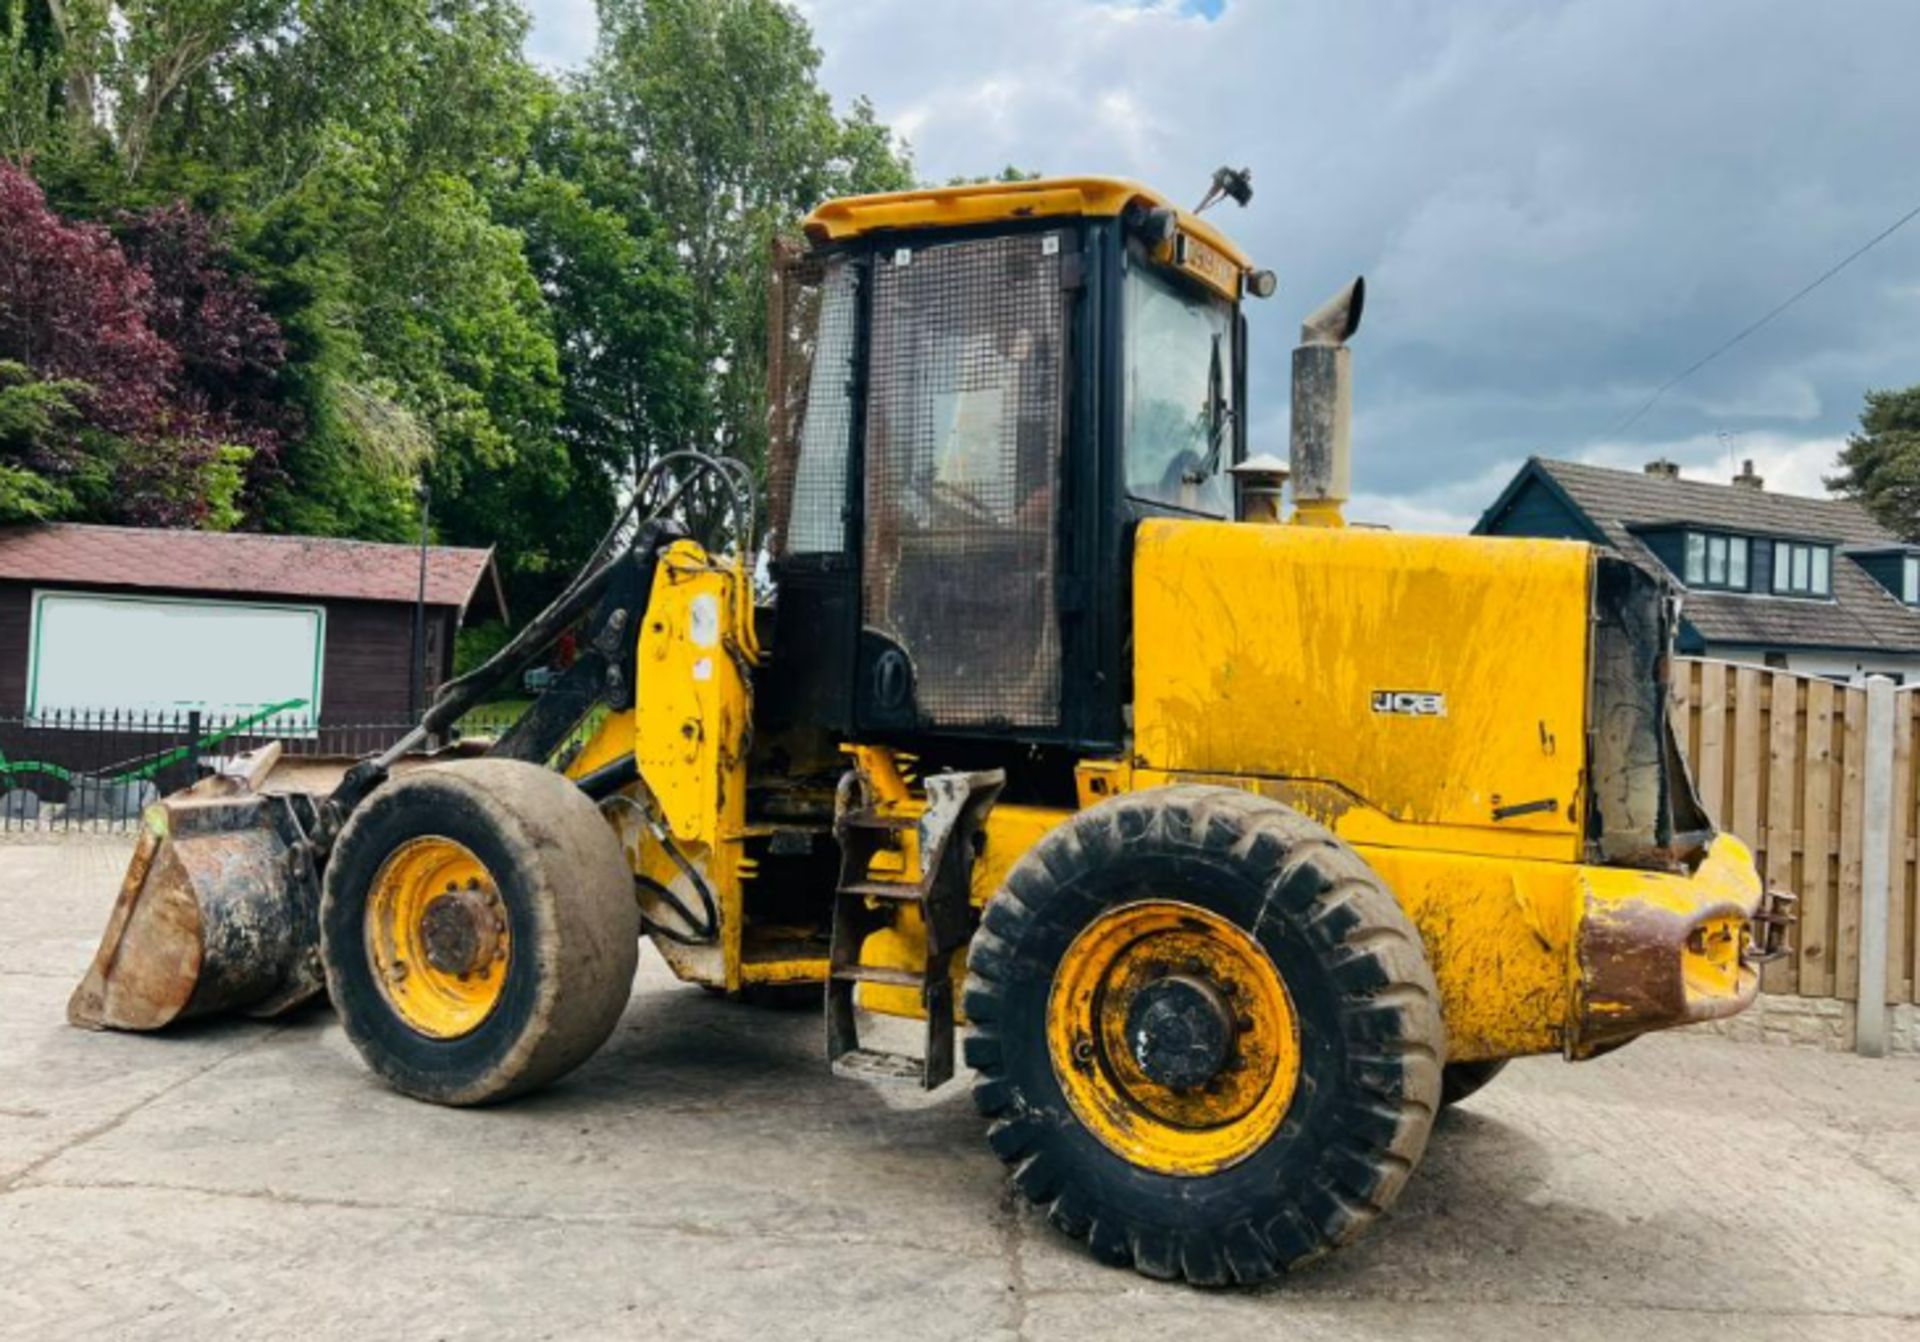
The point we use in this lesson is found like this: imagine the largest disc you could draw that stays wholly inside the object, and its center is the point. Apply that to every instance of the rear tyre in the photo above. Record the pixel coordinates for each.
(479, 930)
(1458, 1080)
(1206, 1035)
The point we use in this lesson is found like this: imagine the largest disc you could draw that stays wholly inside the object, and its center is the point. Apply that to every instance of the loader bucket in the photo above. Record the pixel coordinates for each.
(218, 910)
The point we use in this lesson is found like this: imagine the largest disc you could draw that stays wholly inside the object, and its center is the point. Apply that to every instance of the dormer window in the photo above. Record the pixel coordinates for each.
(1716, 561)
(1910, 580)
(1800, 569)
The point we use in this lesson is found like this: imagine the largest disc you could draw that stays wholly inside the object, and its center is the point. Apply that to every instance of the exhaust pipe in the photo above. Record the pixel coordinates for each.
(1323, 409)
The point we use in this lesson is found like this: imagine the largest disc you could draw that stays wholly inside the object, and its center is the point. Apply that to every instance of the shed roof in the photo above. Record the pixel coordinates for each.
(1861, 615)
(244, 563)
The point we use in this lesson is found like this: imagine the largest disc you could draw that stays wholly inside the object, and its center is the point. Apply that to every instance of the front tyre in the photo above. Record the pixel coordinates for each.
(1206, 1035)
(479, 930)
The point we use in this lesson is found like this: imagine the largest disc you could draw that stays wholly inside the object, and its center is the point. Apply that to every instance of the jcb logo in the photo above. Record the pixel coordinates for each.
(1410, 703)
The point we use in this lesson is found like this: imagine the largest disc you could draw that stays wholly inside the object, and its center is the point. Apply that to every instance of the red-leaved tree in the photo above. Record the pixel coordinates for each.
(230, 349)
(179, 362)
(72, 306)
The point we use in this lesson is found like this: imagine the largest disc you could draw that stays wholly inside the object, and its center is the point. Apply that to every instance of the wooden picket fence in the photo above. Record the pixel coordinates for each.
(1780, 760)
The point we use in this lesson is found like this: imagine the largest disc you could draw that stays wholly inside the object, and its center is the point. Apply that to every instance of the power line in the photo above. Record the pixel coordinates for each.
(1688, 372)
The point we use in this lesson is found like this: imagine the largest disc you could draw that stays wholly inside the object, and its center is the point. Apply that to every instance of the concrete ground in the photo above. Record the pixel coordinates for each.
(704, 1177)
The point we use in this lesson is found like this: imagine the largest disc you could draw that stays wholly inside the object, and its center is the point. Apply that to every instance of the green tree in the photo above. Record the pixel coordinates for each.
(31, 78)
(1880, 465)
(517, 291)
(39, 421)
(731, 140)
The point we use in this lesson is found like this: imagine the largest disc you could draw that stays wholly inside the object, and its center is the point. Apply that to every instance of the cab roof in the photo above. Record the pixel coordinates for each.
(996, 202)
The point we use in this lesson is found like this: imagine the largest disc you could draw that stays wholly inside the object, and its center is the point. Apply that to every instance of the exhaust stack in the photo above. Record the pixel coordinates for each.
(1323, 409)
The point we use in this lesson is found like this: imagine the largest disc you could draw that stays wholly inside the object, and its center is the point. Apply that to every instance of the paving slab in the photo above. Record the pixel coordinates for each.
(704, 1175)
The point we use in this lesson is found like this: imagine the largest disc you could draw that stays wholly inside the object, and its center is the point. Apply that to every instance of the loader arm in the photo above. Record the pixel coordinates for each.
(218, 910)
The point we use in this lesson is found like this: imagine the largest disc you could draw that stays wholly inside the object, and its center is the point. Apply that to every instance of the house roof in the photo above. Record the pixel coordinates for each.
(243, 563)
(1862, 615)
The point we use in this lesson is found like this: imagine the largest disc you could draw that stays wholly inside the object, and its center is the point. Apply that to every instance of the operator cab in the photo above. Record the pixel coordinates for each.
(976, 393)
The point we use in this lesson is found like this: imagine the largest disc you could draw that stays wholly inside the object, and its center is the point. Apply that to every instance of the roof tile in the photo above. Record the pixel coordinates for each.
(239, 562)
(1862, 613)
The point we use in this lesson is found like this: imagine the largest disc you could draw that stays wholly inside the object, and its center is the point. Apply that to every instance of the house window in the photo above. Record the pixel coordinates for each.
(1910, 580)
(1802, 570)
(1716, 561)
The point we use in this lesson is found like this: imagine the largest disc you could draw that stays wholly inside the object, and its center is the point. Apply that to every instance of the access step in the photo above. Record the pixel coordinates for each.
(896, 890)
(949, 831)
(881, 974)
(867, 1064)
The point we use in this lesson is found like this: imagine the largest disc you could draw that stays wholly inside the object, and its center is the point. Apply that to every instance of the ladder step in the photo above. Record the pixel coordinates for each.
(894, 824)
(866, 1064)
(906, 892)
(892, 978)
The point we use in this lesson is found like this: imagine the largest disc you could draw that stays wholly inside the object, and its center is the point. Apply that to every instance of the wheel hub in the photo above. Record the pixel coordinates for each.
(1173, 1036)
(461, 931)
(1180, 1030)
(437, 937)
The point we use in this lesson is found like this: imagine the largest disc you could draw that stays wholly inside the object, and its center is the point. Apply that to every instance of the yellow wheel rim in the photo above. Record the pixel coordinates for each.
(1173, 1037)
(437, 937)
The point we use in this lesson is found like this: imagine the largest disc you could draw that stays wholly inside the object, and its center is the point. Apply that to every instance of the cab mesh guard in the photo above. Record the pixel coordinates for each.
(965, 421)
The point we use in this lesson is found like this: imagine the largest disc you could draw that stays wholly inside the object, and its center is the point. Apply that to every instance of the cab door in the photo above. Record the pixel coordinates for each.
(966, 424)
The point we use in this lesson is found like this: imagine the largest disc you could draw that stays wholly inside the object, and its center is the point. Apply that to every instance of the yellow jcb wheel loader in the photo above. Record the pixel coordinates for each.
(1237, 843)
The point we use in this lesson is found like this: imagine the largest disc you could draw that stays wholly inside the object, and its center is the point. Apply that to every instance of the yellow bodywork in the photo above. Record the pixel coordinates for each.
(1423, 697)
(1264, 652)
(1196, 247)
(696, 652)
(1258, 655)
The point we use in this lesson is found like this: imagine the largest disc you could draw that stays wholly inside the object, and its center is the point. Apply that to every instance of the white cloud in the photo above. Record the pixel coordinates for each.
(1789, 465)
(1558, 204)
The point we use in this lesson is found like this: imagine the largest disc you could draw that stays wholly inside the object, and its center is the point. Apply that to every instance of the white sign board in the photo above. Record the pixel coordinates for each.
(94, 654)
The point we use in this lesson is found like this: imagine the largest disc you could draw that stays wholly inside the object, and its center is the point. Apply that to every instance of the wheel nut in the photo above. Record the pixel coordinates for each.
(1083, 1051)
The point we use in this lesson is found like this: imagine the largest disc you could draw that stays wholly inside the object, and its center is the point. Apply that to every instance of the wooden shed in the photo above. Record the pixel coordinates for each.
(120, 619)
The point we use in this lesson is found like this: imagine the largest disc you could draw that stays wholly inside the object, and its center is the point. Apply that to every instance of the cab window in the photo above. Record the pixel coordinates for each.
(1179, 397)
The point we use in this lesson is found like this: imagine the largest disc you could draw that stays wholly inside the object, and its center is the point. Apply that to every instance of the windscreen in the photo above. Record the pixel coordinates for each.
(965, 421)
(1179, 376)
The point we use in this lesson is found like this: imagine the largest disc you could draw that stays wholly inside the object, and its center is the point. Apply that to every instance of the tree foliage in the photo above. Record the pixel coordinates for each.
(325, 253)
(733, 140)
(120, 421)
(1880, 465)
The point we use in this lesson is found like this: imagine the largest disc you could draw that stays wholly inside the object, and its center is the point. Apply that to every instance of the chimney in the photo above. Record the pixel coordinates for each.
(1747, 479)
(1663, 469)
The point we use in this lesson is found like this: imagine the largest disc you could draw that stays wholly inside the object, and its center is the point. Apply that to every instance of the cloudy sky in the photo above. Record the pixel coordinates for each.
(1558, 204)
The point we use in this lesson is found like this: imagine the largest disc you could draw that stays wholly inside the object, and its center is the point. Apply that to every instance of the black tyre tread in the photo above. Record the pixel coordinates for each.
(1394, 1031)
(1458, 1080)
(586, 964)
